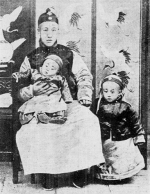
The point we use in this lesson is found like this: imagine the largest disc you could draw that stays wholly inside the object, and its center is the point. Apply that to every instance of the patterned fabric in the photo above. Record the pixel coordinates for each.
(53, 101)
(75, 71)
(57, 117)
(122, 156)
(37, 57)
(56, 83)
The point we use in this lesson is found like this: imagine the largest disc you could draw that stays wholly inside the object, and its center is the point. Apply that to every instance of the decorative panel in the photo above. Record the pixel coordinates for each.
(118, 43)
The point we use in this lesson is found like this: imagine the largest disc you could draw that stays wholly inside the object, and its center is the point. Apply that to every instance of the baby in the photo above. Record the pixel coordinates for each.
(121, 130)
(51, 106)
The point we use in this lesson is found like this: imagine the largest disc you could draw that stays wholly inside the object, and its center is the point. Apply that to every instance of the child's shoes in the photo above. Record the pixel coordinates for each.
(104, 169)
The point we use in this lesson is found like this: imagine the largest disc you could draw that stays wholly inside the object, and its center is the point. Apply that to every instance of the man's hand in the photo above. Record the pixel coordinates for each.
(139, 140)
(139, 144)
(86, 103)
(40, 88)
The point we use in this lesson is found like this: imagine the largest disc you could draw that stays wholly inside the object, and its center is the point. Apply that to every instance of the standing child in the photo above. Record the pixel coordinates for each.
(121, 130)
(49, 107)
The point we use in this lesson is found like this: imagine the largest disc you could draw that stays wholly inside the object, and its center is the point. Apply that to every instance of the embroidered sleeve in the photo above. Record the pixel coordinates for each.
(25, 65)
(25, 93)
(83, 78)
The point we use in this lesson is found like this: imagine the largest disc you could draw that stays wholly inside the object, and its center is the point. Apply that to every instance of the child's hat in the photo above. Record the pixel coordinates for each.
(48, 16)
(55, 58)
(121, 78)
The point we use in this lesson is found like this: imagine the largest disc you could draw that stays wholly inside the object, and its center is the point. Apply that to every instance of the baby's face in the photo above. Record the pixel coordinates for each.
(49, 68)
(111, 91)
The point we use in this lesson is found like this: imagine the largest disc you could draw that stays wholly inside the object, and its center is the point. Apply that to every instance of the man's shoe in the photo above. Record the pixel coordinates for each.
(78, 185)
(48, 182)
(79, 179)
(48, 189)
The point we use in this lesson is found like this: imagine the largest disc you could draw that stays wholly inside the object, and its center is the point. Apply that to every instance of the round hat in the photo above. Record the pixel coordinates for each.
(55, 58)
(113, 78)
(47, 16)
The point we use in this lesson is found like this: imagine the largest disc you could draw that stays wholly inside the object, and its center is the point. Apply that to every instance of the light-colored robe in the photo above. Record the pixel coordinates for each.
(55, 149)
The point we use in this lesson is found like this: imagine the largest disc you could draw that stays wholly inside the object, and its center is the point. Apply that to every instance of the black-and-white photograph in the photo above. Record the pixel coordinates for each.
(74, 96)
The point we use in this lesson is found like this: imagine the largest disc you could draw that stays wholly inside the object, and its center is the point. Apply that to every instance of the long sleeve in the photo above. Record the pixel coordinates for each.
(25, 93)
(134, 122)
(83, 78)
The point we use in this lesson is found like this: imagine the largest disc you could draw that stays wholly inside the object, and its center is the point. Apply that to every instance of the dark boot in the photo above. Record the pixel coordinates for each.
(80, 178)
(48, 182)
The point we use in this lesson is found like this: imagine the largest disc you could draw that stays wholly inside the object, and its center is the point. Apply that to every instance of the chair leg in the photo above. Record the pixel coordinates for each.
(33, 179)
(15, 177)
(16, 166)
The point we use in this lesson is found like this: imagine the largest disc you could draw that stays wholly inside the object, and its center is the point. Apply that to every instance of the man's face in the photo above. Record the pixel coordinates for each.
(111, 91)
(48, 33)
(49, 68)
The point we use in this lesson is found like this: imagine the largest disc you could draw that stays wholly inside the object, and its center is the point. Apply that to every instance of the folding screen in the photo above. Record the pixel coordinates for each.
(104, 32)
(118, 43)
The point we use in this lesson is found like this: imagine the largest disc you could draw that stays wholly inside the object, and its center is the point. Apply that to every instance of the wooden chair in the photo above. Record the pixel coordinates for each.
(16, 162)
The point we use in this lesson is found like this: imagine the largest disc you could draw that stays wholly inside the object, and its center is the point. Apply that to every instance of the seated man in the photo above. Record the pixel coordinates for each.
(75, 145)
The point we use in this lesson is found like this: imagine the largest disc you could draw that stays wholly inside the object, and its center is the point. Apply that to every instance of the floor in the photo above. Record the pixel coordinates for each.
(138, 184)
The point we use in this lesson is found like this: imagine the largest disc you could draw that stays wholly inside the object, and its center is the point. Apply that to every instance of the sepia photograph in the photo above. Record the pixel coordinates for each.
(74, 96)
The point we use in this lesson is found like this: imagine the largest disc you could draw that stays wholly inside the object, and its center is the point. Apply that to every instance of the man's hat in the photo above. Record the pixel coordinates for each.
(48, 16)
(55, 58)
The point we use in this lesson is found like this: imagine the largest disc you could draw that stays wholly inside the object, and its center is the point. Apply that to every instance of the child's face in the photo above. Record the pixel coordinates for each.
(111, 91)
(48, 33)
(49, 68)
